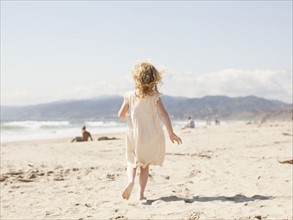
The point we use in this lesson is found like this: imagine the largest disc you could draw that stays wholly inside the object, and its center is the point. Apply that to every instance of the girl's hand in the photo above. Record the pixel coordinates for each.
(173, 137)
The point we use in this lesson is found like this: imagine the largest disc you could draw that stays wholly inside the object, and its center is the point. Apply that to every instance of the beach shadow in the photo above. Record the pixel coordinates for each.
(239, 198)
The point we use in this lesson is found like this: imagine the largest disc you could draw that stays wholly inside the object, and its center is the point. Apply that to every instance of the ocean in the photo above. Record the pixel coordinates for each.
(42, 130)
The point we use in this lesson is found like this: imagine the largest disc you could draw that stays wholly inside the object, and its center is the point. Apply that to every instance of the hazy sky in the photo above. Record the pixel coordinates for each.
(54, 50)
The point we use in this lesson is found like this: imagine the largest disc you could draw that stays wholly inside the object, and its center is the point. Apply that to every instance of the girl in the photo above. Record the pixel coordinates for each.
(145, 136)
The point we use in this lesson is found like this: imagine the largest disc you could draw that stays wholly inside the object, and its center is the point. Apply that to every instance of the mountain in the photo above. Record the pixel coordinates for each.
(240, 108)
(106, 107)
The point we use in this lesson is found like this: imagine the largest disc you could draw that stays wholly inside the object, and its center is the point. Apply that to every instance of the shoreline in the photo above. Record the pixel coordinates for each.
(62, 139)
(177, 128)
(34, 130)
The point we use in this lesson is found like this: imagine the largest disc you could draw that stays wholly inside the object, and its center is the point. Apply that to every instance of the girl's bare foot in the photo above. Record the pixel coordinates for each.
(142, 198)
(127, 191)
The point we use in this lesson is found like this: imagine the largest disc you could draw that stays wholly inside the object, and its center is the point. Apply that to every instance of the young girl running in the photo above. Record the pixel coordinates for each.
(145, 136)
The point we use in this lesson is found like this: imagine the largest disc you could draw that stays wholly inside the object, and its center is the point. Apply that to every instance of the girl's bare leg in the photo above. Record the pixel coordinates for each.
(131, 172)
(143, 179)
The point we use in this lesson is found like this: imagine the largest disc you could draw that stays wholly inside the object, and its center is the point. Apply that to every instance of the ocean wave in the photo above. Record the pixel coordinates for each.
(103, 124)
(34, 124)
(8, 135)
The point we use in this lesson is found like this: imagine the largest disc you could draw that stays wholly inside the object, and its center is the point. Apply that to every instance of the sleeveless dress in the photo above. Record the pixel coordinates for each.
(145, 135)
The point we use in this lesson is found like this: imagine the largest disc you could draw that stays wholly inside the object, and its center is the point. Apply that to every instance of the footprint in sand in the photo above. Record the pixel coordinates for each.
(287, 134)
(112, 177)
(260, 217)
(49, 172)
(194, 216)
(193, 173)
(67, 171)
(13, 173)
(120, 217)
(257, 217)
(32, 176)
(58, 167)
(205, 154)
(287, 161)
(3, 178)
(40, 173)
(88, 205)
(58, 178)
(25, 180)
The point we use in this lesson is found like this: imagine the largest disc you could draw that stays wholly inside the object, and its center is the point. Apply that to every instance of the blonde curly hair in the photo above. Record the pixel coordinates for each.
(146, 78)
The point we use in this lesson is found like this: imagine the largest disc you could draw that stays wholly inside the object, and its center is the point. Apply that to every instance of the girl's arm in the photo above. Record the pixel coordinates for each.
(122, 114)
(166, 119)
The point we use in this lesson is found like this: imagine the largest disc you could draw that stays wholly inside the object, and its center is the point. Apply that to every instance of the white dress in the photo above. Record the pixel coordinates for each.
(145, 135)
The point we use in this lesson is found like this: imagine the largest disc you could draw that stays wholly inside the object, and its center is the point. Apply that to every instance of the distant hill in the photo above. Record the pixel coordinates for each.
(106, 107)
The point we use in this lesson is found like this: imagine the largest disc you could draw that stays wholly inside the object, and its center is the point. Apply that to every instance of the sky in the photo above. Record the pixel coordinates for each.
(66, 50)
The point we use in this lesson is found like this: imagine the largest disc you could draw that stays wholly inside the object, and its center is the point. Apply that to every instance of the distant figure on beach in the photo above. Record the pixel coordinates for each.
(85, 136)
(217, 121)
(208, 120)
(190, 123)
(263, 121)
(145, 136)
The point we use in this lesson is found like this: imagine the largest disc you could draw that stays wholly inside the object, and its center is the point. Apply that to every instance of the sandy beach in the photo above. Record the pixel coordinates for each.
(232, 171)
